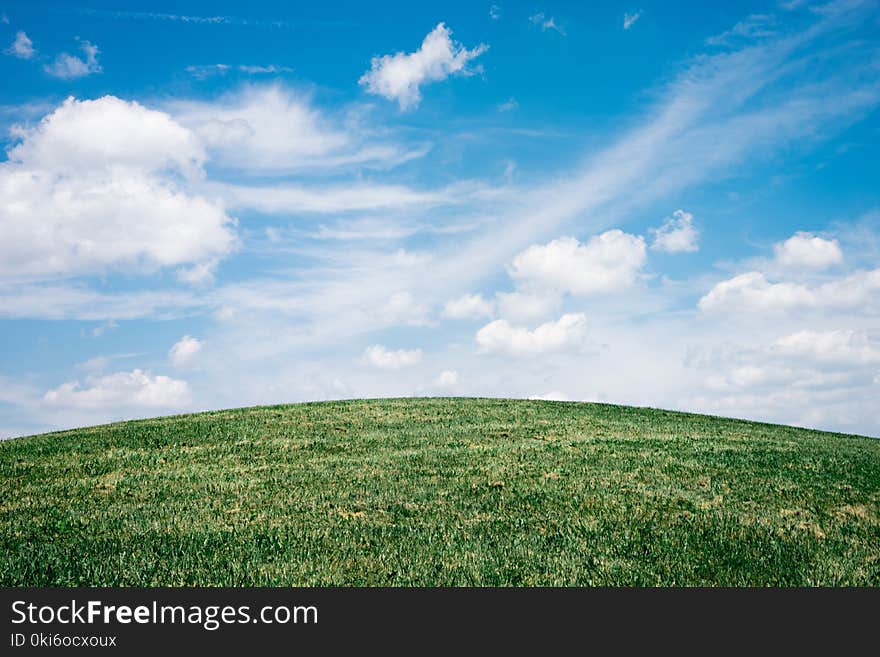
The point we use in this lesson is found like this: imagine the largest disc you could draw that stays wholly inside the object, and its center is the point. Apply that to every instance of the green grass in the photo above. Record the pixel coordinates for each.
(440, 492)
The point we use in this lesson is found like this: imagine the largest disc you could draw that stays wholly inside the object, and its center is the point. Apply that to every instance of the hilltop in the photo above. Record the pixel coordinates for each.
(440, 492)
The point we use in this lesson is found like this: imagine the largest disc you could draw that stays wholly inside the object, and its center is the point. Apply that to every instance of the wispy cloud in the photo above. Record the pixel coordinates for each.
(67, 66)
(191, 19)
(204, 71)
(756, 26)
(545, 23)
(508, 105)
(22, 47)
(259, 129)
(630, 19)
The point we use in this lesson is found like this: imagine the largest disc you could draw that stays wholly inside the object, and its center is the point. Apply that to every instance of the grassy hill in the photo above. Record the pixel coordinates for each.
(440, 492)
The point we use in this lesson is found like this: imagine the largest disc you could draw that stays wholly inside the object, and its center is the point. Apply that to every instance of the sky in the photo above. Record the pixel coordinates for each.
(208, 205)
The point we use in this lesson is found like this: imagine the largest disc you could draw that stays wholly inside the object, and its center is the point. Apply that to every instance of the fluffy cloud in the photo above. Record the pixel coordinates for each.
(400, 76)
(67, 66)
(806, 251)
(607, 263)
(100, 183)
(386, 359)
(836, 347)
(82, 136)
(121, 390)
(752, 292)
(184, 351)
(469, 306)
(22, 47)
(500, 337)
(447, 379)
(677, 234)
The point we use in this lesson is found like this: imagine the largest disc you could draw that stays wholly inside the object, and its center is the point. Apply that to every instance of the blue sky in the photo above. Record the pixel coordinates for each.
(205, 205)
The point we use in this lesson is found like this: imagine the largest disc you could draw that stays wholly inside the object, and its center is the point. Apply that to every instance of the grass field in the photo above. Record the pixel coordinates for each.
(440, 492)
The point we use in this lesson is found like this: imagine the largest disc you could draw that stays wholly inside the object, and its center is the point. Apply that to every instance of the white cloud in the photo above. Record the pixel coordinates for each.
(606, 263)
(287, 198)
(204, 71)
(201, 273)
(101, 363)
(256, 69)
(500, 337)
(67, 66)
(545, 23)
(554, 395)
(752, 292)
(403, 308)
(840, 347)
(109, 325)
(806, 251)
(630, 19)
(812, 377)
(527, 307)
(103, 180)
(400, 76)
(22, 47)
(468, 306)
(184, 351)
(494, 12)
(121, 390)
(508, 105)
(447, 379)
(677, 234)
(85, 135)
(755, 26)
(271, 128)
(378, 356)
(261, 128)
(69, 300)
